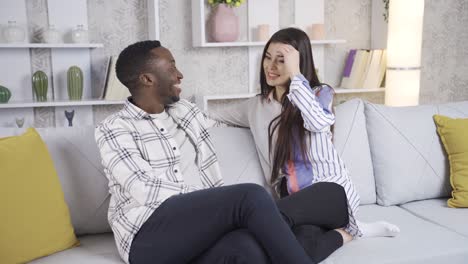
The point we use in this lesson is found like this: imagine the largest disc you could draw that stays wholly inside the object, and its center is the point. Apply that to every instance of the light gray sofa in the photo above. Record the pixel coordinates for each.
(393, 154)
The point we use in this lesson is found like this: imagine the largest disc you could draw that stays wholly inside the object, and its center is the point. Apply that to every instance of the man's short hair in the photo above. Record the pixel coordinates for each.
(132, 62)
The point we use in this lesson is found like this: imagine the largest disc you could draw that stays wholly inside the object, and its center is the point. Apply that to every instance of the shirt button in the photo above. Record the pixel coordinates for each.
(162, 129)
(176, 171)
(174, 148)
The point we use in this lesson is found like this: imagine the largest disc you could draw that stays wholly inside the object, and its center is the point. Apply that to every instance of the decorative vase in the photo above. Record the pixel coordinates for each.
(224, 24)
(263, 32)
(5, 94)
(79, 35)
(40, 84)
(316, 31)
(75, 83)
(13, 33)
(51, 35)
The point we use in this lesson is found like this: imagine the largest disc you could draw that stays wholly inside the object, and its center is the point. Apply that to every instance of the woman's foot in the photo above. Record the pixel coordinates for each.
(378, 229)
(346, 236)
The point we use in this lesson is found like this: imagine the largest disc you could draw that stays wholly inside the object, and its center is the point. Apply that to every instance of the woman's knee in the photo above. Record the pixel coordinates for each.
(330, 187)
(334, 192)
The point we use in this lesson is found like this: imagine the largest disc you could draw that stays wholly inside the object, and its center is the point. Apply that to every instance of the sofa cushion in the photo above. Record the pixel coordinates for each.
(437, 211)
(420, 241)
(453, 133)
(94, 249)
(81, 173)
(78, 165)
(237, 156)
(35, 219)
(408, 158)
(351, 142)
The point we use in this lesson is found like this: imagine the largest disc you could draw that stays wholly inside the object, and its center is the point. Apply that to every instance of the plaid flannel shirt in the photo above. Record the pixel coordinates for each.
(142, 163)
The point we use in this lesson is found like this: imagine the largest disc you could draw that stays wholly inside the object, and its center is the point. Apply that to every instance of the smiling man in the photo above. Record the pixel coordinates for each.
(167, 204)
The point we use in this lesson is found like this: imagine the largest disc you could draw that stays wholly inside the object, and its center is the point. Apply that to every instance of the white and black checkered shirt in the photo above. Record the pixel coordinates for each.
(141, 161)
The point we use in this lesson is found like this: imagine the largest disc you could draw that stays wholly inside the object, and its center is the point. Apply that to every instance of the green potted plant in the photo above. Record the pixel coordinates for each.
(224, 23)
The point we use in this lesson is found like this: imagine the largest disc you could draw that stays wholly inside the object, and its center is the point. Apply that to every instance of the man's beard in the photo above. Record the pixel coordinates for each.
(175, 98)
(172, 99)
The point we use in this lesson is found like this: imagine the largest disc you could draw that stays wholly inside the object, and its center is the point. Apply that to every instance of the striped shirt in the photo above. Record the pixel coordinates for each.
(142, 162)
(323, 160)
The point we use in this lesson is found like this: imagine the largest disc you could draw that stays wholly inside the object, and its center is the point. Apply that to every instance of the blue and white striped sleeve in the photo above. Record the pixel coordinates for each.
(316, 117)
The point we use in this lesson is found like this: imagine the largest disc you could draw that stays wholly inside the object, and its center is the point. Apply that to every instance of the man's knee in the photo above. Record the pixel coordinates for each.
(254, 190)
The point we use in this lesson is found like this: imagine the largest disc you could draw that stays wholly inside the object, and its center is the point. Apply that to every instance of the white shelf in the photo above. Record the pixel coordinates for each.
(249, 95)
(358, 90)
(228, 96)
(207, 98)
(86, 102)
(262, 43)
(50, 45)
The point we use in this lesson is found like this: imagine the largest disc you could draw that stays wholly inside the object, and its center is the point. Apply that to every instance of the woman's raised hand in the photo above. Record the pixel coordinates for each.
(291, 60)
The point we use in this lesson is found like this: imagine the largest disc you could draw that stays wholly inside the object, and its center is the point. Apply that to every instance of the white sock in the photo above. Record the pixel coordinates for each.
(378, 229)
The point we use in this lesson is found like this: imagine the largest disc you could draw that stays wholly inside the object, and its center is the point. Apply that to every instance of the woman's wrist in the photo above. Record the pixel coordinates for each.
(294, 74)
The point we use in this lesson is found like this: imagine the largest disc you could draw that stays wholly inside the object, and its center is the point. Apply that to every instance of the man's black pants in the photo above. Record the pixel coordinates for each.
(241, 224)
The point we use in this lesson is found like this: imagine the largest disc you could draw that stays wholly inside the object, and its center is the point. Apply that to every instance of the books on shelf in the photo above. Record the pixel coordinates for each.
(348, 67)
(113, 88)
(364, 69)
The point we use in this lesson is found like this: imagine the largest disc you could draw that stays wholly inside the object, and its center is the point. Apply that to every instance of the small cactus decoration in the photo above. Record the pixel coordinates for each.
(5, 94)
(75, 83)
(40, 84)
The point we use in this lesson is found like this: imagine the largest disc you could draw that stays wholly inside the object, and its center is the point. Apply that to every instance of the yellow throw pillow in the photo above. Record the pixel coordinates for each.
(34, 220)
(453, 133)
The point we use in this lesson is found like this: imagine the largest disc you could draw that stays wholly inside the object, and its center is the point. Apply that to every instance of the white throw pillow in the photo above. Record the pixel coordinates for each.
(408, 157)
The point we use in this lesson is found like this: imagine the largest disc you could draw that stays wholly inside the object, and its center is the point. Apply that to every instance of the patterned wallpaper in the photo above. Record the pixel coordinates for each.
(119, 23)
(444, 74)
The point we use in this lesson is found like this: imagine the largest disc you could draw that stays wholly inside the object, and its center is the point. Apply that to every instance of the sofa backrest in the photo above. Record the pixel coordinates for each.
(85, 186)
(408, 157)
(351, 142)
(237, 156)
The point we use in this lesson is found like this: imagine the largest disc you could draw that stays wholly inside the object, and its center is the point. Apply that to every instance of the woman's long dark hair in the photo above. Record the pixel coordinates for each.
(289, 124)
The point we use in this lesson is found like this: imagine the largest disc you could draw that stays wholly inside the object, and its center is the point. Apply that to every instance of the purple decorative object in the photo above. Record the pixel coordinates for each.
(349, 63)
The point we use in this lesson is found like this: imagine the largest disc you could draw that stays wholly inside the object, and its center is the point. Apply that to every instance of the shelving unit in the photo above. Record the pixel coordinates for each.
(16, 67)
(307, 12)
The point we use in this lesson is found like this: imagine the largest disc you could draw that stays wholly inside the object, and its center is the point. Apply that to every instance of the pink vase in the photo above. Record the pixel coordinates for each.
(224, 24)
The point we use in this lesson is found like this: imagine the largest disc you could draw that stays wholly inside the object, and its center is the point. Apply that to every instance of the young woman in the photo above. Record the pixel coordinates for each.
(290, 121)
